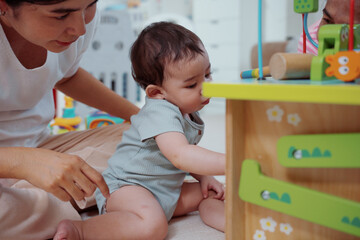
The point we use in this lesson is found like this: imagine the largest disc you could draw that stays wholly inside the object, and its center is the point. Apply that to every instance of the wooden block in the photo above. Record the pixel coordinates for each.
(290, 65)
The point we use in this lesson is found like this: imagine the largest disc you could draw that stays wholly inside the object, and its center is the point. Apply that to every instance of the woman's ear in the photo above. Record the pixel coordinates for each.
(153, 91)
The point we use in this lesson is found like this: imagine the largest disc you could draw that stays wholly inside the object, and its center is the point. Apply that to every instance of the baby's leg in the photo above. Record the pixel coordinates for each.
(189, 200)
(132, 213)
(212, 211)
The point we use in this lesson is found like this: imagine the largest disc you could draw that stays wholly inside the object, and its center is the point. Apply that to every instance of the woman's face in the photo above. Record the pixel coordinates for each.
(337, 12)
(54, 27)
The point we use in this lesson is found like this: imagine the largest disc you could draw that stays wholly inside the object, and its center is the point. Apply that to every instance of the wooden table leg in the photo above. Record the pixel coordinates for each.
(235, 208)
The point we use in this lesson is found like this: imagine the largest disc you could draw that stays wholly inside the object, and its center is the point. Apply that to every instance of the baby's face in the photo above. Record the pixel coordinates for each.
(183, 83)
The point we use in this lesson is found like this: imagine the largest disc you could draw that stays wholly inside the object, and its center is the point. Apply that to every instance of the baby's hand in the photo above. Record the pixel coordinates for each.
(210, 183)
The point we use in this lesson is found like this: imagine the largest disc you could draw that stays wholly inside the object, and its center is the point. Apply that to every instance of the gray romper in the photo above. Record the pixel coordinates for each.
(139, 161)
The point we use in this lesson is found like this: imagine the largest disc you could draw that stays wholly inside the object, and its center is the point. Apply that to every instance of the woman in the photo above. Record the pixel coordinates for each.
(41, 44)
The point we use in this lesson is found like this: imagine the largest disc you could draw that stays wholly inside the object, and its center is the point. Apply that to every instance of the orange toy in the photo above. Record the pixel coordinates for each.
(344, 65)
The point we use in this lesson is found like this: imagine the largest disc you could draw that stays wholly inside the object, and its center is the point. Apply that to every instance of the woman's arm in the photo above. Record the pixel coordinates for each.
(66, 176)
(87, 89)
(190, 158)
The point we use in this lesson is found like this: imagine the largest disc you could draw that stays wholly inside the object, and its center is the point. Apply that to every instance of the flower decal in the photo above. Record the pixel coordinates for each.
(294, 119)
(268, 224)
(286, 228)
(259, 235)
(275, 114)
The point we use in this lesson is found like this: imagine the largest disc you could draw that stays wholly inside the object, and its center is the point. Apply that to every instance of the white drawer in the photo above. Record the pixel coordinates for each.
(215, 9)
(227, 55)
(218, 31)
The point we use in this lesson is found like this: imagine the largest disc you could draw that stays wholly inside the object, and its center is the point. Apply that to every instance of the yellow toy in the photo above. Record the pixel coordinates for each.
(69, 121)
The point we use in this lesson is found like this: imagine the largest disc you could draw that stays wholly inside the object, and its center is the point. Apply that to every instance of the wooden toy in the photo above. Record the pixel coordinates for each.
(319, 151)
(297, 201)
(306, 6)
(290, 65)
(344, 65)
(304, 135)
(332, 39)
(254, 73)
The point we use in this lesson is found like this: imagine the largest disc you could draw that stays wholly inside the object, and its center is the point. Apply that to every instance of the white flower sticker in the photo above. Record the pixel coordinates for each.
(259, 235)
(286, 228)
(275, 114)
(294, 119)
(268, 224)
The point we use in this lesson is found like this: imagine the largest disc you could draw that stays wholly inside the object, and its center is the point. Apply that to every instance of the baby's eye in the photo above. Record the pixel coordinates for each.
(192, 85)
(208, 77)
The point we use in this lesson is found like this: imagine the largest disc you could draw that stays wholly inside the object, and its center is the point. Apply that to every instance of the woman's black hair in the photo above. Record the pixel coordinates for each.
(17, 3)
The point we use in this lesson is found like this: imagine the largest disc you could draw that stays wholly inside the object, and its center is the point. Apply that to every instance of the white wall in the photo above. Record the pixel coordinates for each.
(280, 22)
(274, 20)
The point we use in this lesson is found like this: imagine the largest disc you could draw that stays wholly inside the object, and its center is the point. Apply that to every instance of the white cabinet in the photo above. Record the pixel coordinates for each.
(220, 31)
(217, 23)
(215, 9)
(229, 30)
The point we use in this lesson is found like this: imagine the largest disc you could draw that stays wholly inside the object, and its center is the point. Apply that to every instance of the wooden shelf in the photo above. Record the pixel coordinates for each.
(333, 92)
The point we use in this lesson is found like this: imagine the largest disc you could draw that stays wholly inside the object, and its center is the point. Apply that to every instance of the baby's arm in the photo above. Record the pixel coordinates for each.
(190, 158)
(210, 183)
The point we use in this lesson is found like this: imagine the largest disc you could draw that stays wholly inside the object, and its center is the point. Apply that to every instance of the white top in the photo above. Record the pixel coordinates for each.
(26, 99)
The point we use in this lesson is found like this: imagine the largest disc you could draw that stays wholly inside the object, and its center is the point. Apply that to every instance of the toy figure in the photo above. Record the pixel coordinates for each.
(344, 65)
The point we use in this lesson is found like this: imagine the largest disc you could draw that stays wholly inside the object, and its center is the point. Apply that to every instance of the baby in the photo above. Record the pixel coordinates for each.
(146, 174)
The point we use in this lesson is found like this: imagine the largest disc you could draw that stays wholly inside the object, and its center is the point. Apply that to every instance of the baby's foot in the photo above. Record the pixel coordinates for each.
(67, 230)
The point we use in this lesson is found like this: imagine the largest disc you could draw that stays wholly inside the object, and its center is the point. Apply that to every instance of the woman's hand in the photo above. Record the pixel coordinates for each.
(65, 176)
(210, 183)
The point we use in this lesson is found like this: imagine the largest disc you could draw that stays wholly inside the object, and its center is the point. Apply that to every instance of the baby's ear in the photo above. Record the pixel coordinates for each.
(153, 91)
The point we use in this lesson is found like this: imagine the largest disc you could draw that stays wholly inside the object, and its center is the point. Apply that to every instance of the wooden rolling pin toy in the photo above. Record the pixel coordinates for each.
(290, 65)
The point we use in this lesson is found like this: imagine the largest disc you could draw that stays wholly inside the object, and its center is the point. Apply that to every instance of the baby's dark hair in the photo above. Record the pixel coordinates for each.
(159, 44)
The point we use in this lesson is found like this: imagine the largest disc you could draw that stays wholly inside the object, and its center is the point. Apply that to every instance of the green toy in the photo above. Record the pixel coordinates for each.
(313, 206)
(305, 6)
(332, 39)
(320, 151)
